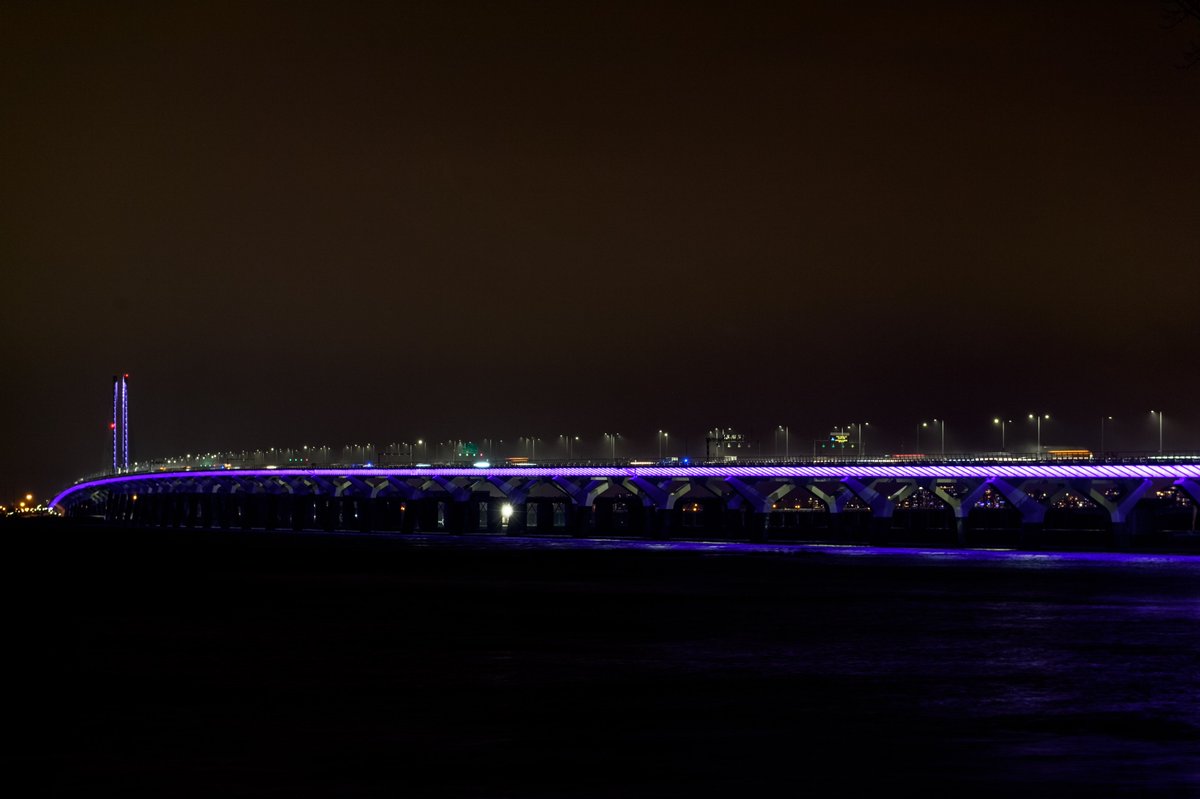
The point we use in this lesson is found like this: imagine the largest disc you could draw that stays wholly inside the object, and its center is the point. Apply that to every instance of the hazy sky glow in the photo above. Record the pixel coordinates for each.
(330, 222)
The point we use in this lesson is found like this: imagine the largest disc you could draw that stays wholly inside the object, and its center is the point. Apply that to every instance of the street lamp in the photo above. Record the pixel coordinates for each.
(612, 438)
(942, 422)
(787, 435)
(1103, 419)
(1160, 432)
(1039, 417)
(862, 448)
(1002, 423)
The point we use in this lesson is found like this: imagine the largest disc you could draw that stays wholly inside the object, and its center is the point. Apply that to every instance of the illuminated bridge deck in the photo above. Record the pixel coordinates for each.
(750, 501)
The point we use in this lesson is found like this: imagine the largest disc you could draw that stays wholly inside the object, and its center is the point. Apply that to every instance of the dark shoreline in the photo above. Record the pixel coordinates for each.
(191, 663)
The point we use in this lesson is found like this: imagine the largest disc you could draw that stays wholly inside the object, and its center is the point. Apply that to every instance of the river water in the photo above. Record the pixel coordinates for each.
(251, 664)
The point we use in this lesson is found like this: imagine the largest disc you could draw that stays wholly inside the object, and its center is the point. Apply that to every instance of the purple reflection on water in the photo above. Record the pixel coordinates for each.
(998, 556)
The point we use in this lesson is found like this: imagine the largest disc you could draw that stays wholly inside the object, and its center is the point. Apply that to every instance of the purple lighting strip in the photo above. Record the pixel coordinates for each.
(1174, 472)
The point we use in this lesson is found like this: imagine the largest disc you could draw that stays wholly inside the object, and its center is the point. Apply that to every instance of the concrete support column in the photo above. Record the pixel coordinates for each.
(581, 523)
(960, 505)
(457, 515)
(1030, 536)
(364, 510)
(583, 496)
(207, 504)
(1033, 513)
(238, 511)
(882, 506)
(221, 509)
(327, 512)
(659, 522)
(835, 504)
(758, 504)
(1120, 512)
(1191, 487)
(756, 526)
(658, 503)
(301, 511)
(270, 511)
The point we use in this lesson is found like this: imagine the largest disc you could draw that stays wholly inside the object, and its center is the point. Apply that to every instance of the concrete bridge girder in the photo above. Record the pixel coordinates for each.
(961, 506)
(1190, 487)
(515, 489)
(758, 500)
(1119, 509)
(277, 485)
(355, 486)
(582, 492)
(246, 485)
(404, 489)
(1032, 511)
(658, 494)
(379, 486)
(454, 490)
(835, 502)
(882, 505)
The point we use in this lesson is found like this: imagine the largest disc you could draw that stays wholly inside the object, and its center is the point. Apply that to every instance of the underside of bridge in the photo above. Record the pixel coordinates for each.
(1114, 512)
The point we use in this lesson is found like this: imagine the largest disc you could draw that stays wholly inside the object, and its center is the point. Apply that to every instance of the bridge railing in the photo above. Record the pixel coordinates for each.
(237, 461)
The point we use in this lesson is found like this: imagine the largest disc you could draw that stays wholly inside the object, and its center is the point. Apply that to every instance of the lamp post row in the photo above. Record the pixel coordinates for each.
(663, 437)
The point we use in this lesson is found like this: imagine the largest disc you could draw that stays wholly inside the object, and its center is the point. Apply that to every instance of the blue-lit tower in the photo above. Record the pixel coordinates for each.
(119, 426)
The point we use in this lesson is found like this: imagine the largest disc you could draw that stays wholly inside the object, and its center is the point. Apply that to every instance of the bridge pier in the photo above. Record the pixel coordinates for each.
(302, 511)
(882, 506)
(658, 503)
(1121, 511)
(835, 506)
(582, 519)
(961, 506)
(583, 495)
(759, 504)
(1033, 513)
(206, 510)
(221, 510)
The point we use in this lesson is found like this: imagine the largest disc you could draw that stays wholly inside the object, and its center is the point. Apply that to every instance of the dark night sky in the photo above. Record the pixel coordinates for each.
(332, 222)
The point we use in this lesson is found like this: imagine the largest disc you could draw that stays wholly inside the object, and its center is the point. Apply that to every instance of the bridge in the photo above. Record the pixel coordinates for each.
(852, 500)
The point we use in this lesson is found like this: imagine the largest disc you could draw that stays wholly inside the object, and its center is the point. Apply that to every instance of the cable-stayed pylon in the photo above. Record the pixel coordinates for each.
(119, 426)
